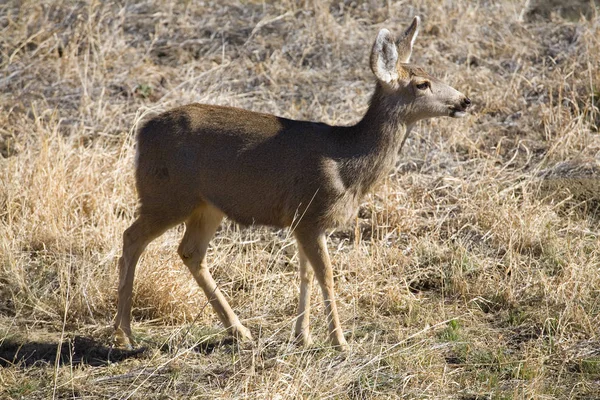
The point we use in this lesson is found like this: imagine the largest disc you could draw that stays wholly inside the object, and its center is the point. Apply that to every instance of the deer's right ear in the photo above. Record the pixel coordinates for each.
(384, 57)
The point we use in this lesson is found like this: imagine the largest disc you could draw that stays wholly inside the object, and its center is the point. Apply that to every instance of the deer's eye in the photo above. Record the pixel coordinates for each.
(424, 85)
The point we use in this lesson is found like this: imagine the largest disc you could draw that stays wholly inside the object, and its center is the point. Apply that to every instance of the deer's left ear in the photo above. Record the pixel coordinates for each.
(384, 57)
(405, 43)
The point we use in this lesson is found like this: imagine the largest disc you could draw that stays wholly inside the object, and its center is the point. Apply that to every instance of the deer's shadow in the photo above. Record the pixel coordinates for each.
(76, 350)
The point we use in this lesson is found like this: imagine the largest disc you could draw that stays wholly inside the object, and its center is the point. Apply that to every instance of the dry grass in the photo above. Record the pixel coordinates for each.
(461, 278)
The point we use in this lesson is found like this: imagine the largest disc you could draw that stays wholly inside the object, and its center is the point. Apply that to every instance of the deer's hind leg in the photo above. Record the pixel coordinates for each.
(136, 238)
(199, 230)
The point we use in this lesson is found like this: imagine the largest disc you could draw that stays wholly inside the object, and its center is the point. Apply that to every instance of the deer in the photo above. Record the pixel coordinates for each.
(197, 164)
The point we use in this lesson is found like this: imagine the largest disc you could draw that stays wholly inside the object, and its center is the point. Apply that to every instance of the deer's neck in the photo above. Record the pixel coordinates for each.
(376, 142)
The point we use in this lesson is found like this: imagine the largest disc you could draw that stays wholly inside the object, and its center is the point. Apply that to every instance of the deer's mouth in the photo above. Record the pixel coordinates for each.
(456, 112)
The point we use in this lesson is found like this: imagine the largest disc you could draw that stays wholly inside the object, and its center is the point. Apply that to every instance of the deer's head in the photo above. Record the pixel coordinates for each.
(414, 91)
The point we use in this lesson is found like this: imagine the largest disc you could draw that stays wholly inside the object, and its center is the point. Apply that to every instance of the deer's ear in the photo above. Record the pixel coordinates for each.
(405, 43)
(384, 57)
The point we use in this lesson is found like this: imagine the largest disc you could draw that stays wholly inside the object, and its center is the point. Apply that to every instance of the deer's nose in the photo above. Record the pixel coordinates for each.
(466, 102)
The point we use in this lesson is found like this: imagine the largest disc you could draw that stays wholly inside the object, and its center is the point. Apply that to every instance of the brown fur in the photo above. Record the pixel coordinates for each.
(314, 174)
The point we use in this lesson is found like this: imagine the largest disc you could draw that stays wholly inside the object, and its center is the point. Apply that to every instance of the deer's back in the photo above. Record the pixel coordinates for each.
(256, 168)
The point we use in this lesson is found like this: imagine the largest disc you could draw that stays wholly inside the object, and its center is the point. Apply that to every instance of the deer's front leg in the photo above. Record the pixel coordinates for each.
(302, 328)
(314, 245)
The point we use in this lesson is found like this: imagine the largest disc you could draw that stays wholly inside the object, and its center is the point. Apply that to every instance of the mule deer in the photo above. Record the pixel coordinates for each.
(199, 163)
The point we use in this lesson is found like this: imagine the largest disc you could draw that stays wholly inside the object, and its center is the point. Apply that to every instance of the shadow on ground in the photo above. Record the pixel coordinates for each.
(77, 350)
(210, 346)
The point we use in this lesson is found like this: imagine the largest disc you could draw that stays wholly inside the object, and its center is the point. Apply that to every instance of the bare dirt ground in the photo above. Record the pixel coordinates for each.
(471, 272)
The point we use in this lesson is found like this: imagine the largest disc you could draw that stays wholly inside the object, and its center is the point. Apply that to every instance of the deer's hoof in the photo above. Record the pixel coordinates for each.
(304, 340)
(122, 340)
(241, 334)
(340, 344)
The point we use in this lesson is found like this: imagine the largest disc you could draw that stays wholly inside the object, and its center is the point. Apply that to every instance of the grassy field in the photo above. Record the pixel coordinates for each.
(471, 272)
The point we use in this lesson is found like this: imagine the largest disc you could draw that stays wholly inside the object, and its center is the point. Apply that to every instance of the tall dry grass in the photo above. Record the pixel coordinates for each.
(461, 278)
